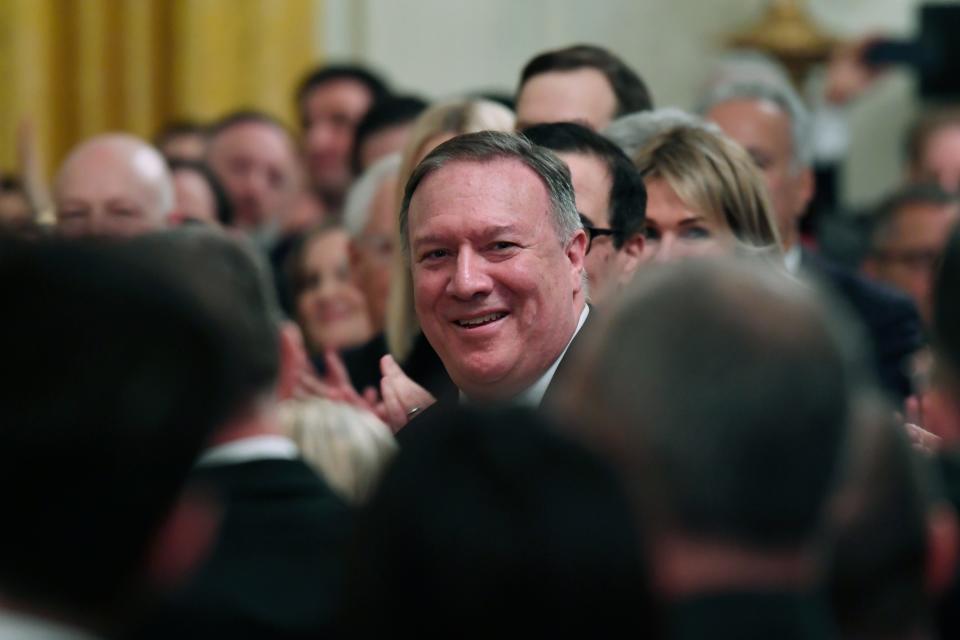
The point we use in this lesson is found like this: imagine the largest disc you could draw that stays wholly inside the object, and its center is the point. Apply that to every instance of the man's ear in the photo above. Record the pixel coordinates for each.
(943, 545)
(293, 360)
(576, 251)
(631, 254)
(183, 541)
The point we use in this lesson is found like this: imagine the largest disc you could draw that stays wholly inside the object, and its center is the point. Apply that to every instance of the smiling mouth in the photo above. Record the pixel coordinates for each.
(473, 323)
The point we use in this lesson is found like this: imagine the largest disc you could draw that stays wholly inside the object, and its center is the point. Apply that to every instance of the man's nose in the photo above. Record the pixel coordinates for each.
(470, 278)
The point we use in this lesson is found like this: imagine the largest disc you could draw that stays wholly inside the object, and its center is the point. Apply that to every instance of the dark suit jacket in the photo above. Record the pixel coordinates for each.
(277, 565)
(892, 325)
(422, 365)
(762, 615)
(450, 396)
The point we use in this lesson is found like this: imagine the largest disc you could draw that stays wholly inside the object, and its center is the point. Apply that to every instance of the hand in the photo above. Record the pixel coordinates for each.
(402, 397)
(922, 440)
(336, 385)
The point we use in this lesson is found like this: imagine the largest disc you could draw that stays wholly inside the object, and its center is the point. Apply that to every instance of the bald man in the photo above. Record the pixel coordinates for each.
(113, 185)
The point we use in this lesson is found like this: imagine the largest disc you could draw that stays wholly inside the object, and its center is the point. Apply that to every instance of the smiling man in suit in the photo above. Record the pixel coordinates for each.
(496, 249)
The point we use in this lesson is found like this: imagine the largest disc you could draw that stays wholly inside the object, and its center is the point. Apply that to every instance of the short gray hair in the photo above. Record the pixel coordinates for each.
(487, 146)
(633, 131)
(785, 98)
(356, 209)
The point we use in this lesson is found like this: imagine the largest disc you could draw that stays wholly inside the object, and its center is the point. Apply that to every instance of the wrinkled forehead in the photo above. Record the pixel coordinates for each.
(103, 174)
(260, 140)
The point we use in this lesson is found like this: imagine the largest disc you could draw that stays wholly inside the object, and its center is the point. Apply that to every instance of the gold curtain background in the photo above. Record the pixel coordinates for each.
(70, 69)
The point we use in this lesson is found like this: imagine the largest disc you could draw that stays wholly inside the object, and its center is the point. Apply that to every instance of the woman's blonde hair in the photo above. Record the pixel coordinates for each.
(714, 176)
(453, 118)
(349, 447)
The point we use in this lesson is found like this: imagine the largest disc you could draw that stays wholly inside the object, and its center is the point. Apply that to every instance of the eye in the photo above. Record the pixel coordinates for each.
(502, 245)
(695, 233)
(124, 212)
(72, 213)
(434, 255)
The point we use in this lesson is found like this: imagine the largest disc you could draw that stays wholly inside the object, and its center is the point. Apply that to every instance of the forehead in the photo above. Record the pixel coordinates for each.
(591, 180)
(924, 219)
(579, 95)
(496, 192)
(342, 96)
(755, 123)
(942, 143)
(259, 140)
(102, 174)
(328, 248)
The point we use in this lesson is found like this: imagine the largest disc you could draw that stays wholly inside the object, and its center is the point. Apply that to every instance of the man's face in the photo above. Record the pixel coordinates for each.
(331, 113)
(106, 193)
(372, 251)
(909, 251)
(763, 129)
(582, 95)
(497, 294)
(258, 168)
(606, 265)
(940, 160)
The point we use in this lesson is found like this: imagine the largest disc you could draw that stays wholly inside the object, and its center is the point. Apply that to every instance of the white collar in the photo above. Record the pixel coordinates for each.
(271, 447)
(532, 396)
(20, 626)
(791, 259)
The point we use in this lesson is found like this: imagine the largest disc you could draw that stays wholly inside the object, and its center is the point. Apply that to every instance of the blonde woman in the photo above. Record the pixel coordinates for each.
(704, 196)
(348, 446)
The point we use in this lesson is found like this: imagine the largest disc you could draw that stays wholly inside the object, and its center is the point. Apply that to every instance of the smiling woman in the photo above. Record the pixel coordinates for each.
(704, 195)
(329, 308)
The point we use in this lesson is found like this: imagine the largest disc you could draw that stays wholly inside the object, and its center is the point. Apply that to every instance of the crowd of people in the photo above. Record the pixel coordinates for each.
(496, 365)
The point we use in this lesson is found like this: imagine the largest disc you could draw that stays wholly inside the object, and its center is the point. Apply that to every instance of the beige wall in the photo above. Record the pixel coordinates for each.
(444, 47)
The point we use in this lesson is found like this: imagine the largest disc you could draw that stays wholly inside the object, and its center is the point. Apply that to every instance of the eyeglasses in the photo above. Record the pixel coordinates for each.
(595, 232)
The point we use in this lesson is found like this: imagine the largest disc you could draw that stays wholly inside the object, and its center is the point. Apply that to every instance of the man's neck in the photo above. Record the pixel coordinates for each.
(258, 421)
(685, 567)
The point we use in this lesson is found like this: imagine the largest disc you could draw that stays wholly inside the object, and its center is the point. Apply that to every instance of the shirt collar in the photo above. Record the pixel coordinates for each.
(533, 395)
(791, 258)
(249, 449)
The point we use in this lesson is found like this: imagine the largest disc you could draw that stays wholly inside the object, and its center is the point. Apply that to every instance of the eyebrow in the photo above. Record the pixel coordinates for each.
(492, 230)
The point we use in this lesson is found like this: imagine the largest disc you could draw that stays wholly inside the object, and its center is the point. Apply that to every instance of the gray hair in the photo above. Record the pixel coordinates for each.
(356, 209)
(735, 392)
(633, 131)
(782, 95)
(486, 146)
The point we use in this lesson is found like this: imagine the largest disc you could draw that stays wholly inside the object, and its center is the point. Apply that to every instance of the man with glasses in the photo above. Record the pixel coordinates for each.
(611, 200)
(909, 232)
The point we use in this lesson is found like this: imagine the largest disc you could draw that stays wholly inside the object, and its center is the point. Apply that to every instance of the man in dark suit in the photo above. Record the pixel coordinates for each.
(770, 122)
(730, 433)
(496, 250)
(275, 566)
(115, 376)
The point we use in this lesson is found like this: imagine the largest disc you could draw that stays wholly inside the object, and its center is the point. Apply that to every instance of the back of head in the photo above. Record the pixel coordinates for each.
(727, 385)
(115, 376)
(628, 197)
(877, 571)
(499, 523)
(947, 307)
(713, 176)
(630, 90)
(232, 279)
